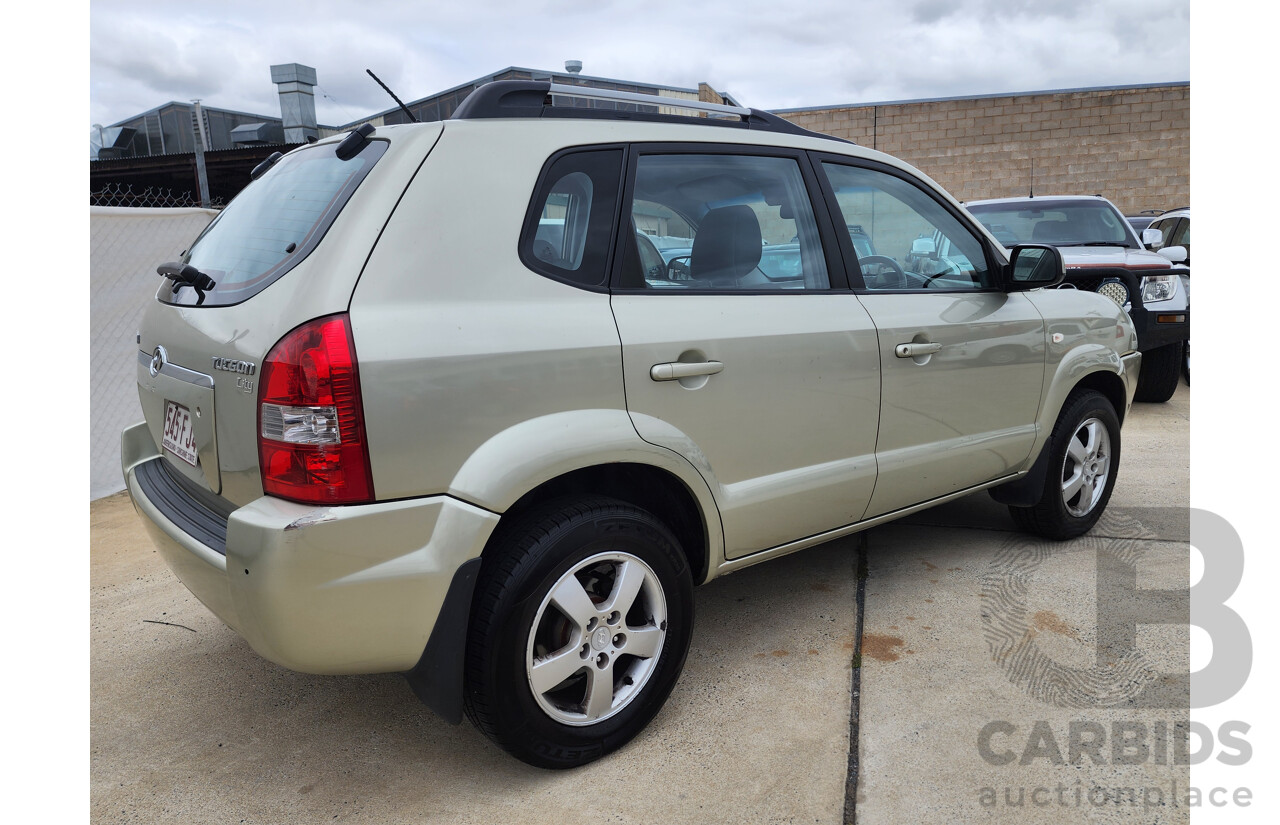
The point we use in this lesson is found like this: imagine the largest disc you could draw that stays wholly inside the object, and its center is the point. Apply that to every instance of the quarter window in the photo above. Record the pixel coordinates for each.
(570, 223)
(902, 237)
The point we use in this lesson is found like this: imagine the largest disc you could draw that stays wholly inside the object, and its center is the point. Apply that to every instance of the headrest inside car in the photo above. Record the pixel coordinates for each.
(727, 245)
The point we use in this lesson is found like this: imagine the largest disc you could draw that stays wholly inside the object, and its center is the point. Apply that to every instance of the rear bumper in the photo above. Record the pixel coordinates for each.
(316, 589)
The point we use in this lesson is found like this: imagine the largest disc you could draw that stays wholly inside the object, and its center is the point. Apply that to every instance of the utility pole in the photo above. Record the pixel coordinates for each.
(202, 143)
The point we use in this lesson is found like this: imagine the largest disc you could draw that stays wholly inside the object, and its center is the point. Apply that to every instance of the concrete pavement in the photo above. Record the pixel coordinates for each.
(187, 723)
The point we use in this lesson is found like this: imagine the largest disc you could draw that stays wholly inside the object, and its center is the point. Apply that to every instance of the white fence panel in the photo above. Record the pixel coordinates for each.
(125, 246)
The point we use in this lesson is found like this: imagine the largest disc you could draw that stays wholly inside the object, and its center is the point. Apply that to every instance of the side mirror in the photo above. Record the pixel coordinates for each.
(1151, 237)
(1175, 254)
(1033, 266)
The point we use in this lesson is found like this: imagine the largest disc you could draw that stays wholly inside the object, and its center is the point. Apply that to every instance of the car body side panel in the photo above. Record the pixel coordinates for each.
(966, 414)
(1096, 336)
(522, 457)
(785, 433)
(457, 339)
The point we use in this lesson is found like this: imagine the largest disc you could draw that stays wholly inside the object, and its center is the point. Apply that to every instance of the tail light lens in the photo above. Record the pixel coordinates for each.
(311, 441)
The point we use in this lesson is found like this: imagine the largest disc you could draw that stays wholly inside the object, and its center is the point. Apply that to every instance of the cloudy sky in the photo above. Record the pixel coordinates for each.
(768, 55)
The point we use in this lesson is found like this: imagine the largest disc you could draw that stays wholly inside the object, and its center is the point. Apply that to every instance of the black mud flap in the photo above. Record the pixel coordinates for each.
(437, 678)
(1026, 491)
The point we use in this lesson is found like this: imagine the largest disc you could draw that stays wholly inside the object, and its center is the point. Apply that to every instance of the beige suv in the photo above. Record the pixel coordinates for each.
(482, 401)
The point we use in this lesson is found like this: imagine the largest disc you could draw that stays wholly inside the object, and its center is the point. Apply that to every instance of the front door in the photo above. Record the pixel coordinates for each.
(962, 362)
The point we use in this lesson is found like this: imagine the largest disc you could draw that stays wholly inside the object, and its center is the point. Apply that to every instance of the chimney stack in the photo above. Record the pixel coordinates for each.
(297, 101)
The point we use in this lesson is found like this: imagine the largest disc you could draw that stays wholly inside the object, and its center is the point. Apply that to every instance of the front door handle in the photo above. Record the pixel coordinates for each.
(676, 370)
(914, 350)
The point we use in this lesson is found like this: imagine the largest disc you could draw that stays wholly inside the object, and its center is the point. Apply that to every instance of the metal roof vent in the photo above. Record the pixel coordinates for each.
(257, 134)
(573, 66)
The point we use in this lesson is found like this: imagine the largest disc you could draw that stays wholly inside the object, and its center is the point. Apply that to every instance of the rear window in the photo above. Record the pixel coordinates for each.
(274, 223)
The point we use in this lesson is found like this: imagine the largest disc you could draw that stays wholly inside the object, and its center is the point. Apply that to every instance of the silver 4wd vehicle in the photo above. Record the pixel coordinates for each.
(429, 399)
(1103, 255)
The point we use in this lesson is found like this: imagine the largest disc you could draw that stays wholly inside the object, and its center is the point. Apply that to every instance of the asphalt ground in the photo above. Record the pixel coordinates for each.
(991, 668)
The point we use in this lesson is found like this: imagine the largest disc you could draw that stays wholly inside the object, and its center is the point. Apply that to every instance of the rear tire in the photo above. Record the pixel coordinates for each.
(1084, 455)
(1159, 376)
(579, 629)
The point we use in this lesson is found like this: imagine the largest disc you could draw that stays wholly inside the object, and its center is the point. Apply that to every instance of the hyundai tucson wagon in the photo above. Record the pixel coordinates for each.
(481, 401)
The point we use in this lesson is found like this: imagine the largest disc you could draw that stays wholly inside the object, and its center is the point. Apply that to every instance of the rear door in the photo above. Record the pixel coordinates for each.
(743, 350)
(962, 361)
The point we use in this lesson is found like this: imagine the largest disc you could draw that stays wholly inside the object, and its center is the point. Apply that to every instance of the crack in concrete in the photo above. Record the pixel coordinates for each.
(851, 778)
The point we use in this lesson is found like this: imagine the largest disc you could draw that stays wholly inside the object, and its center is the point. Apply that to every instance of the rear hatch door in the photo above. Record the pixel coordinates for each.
(288, 249)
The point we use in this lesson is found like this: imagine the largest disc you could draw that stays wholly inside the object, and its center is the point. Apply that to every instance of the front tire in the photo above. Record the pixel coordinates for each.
(579, 629)
(1159, 375)
(1084, 455)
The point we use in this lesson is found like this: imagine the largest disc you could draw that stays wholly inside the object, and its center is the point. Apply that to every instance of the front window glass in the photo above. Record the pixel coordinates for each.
(722, 222)
(1061, 223)
(1183, 236)
(903, 238)
(275, 222)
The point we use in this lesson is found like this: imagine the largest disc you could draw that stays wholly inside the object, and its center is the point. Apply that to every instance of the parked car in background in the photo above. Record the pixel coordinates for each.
(482, 400)
(1142, 220)
(1103, 254)
(1175, 232)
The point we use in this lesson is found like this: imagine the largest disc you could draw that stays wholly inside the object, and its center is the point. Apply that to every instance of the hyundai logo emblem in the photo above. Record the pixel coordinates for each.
(157, 361)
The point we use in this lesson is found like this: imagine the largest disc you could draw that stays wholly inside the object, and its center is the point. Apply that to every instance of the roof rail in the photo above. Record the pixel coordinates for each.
(536, 99)
(592, 93)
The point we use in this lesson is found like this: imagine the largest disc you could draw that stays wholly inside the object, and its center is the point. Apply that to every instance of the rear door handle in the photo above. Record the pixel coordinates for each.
(676, 370)
(912, 350)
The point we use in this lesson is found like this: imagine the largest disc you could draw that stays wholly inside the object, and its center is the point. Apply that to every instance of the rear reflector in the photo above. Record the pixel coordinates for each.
(1171, 319)
(311, 441)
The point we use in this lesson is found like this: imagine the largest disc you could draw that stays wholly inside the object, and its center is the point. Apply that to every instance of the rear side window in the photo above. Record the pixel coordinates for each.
(722, 222)
(570, 222)
(274, 223)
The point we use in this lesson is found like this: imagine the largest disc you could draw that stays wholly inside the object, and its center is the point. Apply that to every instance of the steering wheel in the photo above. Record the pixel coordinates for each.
(899, 275)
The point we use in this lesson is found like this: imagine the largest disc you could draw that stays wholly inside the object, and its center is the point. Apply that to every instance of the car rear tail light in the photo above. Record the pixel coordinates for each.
(311, 441)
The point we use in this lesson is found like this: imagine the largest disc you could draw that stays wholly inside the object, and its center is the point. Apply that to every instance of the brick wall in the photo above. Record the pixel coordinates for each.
(1132, 145)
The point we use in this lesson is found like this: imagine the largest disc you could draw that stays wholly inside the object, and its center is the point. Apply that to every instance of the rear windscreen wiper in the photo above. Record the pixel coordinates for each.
(187, 275)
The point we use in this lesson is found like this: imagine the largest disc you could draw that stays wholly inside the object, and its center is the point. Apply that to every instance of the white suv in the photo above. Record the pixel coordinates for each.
(1103, 254)
(430, 398)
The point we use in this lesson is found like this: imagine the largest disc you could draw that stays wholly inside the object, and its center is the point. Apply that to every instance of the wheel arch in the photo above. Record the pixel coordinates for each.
(597, 452)
(650, 488)
(1100, 376)
(1091, 366)
(1109, 384)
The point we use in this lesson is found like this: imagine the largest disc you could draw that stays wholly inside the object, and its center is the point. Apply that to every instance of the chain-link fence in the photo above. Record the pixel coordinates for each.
(122, 194)
(125, 245)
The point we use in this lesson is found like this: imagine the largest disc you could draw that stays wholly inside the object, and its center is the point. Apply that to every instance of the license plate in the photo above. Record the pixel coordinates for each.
(179, 436)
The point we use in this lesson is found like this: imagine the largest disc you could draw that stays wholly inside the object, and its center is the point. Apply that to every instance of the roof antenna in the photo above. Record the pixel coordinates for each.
(1031, 190)
(398, 101)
